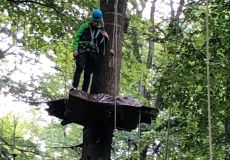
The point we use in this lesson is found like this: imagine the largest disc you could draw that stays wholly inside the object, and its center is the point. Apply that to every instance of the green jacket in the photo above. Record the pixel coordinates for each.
(78, 35)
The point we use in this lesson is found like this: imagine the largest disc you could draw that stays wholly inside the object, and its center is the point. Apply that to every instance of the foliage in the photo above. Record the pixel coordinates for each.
(134, 72)
(43, 27)
(180, 64)
(182, 81)
(178, 76)
(28, 141)
(37, 29)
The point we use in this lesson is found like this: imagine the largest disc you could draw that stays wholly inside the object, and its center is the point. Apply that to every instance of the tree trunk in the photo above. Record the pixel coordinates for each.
(136, 45)
(143, 153)
(97, 141)
(227, 134)
(227, 122)
(149, 63)
(151, 42)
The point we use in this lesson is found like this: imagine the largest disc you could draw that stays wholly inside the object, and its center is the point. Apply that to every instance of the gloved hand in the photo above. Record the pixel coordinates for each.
(105, 34)
(75, 53)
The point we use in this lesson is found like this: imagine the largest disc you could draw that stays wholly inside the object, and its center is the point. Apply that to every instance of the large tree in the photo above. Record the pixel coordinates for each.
(97, 141)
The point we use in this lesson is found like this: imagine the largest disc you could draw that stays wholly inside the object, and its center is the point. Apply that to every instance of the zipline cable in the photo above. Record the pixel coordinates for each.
(208, 79)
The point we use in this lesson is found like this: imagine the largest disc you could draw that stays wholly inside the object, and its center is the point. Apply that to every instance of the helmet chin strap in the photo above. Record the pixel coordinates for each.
(99, 24)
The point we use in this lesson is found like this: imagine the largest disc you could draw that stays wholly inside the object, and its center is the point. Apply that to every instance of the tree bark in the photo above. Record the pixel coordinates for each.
(109, 78)
(97, 141)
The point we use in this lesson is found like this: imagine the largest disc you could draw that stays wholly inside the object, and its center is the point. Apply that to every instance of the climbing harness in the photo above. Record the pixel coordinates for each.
(88, 47)
(93, 35)
(91, 47)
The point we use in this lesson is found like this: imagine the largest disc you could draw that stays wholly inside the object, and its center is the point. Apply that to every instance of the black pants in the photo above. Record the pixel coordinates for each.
(88, 63)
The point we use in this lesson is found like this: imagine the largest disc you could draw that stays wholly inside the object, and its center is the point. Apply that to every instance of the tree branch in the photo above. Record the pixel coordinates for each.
(48, 5)
(180, 8)
(67, 147)
(29, 1)
(19, 149)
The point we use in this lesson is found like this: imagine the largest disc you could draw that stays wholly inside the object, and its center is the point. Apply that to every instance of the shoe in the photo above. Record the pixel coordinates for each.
(73, 89)
(65, 122)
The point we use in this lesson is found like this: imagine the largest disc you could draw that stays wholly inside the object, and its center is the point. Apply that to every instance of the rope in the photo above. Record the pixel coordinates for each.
(115, 63)
(113, 24)
(139, 132)
(113, 52)
(65, 82)
(13, 137)
(208, 80)
(1, 135)
(15, 122)
(114, 13)
(65, 74)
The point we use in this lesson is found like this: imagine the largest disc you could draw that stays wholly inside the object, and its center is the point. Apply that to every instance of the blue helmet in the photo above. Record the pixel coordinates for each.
(97, 15)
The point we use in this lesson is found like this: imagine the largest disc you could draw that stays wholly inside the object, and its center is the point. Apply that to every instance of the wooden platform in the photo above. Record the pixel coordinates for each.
(98, 110)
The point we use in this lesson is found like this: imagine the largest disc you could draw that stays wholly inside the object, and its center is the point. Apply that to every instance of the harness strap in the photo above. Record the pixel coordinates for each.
(93, 35)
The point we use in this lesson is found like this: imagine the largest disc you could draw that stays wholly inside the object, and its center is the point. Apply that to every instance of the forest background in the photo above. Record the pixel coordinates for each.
(163, 66)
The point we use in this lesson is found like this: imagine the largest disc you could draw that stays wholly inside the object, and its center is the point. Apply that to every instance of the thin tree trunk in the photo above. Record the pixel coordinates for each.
(143, 153)
(151, 42)
(136, 45)
(227, 130)
(227, 134)
(97, 141)
(227, 123)
(180, 9)
(135, 33)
